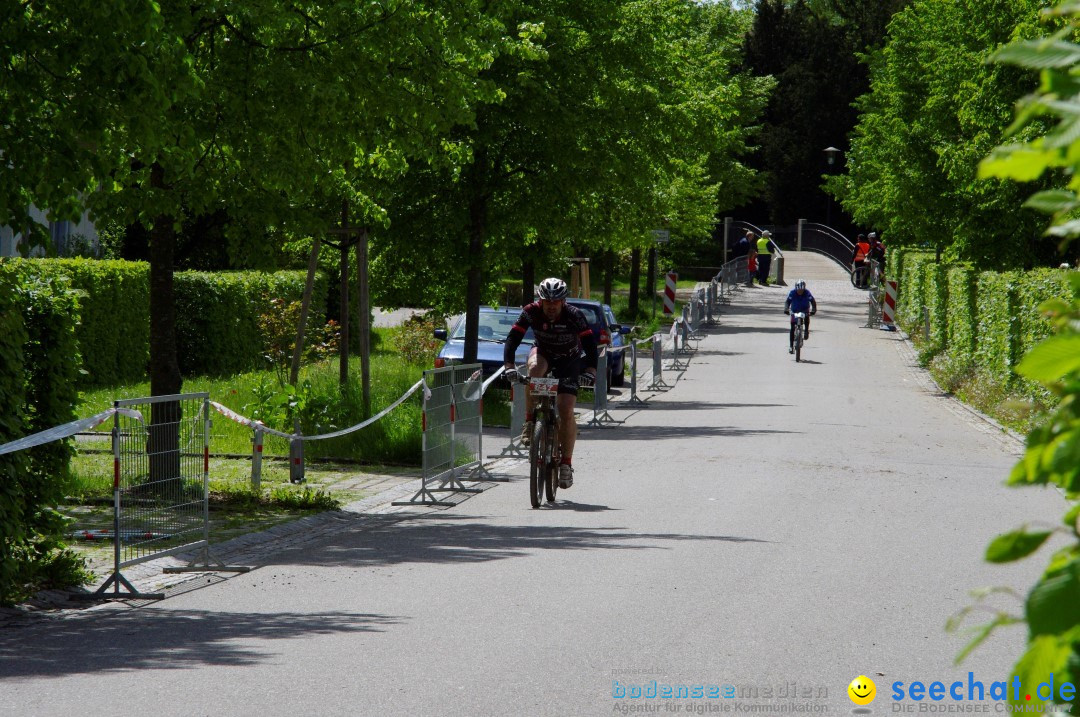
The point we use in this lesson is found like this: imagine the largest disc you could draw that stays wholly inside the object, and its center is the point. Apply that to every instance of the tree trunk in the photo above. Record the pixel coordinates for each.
(474, 276)
(609, 274)
(343, 339)
(305, 306)
(165, 380)
(528, 280)
(365, 319)
(651, 279)
(635, 279)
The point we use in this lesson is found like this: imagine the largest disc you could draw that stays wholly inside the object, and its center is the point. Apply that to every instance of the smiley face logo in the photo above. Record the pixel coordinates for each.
(862, 690)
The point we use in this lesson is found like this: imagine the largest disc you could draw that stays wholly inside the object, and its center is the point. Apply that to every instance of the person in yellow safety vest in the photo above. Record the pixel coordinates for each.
(764, 257)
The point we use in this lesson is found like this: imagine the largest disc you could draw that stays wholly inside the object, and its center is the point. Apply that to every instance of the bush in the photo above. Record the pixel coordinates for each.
(415, 340)
(277, 327)
(40, 363)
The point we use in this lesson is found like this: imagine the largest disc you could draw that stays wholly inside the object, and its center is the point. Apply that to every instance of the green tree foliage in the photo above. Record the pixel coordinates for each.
(148, 112)
(1053, 448)
(934, 109)
(811, 49)
(612, 117)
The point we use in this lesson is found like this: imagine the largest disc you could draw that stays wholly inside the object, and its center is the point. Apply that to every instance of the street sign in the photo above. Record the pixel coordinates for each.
(662, 236)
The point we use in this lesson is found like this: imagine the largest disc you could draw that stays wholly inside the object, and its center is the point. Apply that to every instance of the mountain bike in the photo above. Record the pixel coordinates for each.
(545, 451)
(799, 319)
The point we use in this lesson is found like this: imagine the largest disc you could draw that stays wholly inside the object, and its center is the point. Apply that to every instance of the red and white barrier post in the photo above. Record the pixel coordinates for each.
(669, 292)
(888, 308)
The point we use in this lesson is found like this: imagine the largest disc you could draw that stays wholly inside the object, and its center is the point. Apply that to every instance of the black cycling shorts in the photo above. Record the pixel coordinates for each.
(567, 369)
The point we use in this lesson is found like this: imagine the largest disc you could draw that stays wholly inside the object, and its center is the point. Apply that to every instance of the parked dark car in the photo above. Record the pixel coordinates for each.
(608, 332)
(494, 325)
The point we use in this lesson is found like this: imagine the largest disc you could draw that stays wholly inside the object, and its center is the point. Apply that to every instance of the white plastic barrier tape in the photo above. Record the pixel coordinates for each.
(245, 421)
(491, 379)
(68, 429)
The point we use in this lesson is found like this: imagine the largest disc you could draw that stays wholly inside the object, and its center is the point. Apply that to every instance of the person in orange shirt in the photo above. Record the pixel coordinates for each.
(859, 261)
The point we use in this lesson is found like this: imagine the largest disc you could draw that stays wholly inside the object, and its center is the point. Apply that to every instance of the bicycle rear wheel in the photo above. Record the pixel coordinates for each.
(538, 462)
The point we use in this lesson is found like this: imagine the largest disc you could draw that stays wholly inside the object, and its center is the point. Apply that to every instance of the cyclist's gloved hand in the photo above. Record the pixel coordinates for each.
(587, 379)
(786, 312)
(813, 312)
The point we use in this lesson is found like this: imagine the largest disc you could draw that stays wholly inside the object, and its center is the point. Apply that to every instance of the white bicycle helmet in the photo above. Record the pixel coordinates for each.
(800, 284)
(552, 289)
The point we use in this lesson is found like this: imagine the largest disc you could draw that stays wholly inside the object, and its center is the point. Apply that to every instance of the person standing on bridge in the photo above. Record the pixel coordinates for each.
(799, 299)
(751, 265)
(742, 247)
(876, 253)
(859, 262)
(764, 258)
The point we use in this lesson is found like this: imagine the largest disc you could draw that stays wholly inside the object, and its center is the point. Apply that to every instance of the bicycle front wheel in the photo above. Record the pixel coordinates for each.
(538, 460)
(858, 278)
(552, 482)
(798, 342)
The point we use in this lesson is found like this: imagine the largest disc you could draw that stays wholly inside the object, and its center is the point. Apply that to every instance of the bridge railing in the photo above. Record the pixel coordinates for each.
(823, 239)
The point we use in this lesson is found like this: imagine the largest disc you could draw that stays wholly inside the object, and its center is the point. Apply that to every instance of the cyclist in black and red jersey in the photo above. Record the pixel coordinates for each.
(561, 332)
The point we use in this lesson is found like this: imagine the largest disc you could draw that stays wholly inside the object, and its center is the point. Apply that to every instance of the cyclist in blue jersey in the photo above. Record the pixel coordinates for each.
(561, 333)
(799, 299)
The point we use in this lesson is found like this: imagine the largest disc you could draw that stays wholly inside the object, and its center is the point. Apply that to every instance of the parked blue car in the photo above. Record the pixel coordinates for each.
(494, 325)
(608, 332)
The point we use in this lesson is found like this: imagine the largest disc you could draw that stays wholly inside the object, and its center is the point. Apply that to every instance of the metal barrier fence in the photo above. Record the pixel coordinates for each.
(874, 297)
(657, 383)
(601, 416)
(516, 448)
(160, 487)
(452, 426)
(635, 400)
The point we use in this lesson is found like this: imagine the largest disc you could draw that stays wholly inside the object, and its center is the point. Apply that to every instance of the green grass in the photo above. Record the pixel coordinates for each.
(324, 407)
(622, 283)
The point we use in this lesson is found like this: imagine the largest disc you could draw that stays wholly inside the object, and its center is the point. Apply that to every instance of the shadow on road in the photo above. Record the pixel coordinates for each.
(654, 433)
(97, 642)
(705, 405)
(448, 538)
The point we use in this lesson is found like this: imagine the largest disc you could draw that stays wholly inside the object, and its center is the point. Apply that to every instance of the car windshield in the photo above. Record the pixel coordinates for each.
(591, 314)
(494, 326)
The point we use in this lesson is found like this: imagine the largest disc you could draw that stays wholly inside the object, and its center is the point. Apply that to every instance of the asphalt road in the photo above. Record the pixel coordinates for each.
(773, 526)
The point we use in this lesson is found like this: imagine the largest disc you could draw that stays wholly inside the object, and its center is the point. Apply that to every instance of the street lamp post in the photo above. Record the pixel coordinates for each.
(831, 153)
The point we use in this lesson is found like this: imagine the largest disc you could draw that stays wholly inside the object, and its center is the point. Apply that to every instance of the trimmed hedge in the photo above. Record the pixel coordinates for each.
(986, 320)
(40, 363)
(216, 315)
(960, 335)
(936, 287)
(1033, 288)
(996, 347)
(113, 332)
